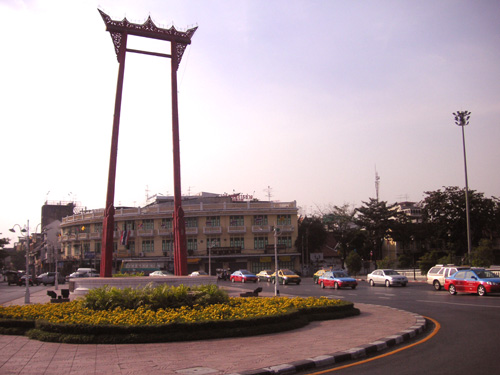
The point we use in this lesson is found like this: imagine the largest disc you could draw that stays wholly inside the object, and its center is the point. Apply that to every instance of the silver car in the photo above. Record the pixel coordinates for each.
(387, 278)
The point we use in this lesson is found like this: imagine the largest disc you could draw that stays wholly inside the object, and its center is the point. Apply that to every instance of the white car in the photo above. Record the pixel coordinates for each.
(160, 273)
(198, 273)
(387, 278)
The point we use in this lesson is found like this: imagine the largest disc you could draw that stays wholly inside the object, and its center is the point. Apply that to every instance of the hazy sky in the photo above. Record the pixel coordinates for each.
(307, 97)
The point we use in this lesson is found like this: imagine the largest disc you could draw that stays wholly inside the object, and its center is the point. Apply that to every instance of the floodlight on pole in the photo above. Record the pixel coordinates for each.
(462, 119)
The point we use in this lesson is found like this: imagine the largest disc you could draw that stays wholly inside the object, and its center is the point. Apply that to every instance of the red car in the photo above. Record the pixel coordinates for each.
(337, 280)
(243, 276)
(475, 280)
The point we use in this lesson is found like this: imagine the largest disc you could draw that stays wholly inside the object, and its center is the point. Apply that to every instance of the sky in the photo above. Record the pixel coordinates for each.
(296, 100)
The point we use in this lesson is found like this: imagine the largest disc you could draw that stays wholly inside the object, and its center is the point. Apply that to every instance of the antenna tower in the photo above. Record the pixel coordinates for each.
(377, 183)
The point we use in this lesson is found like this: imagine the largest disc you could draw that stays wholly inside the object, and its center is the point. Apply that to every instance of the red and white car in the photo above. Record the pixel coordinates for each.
(475, 280)
(243, 276)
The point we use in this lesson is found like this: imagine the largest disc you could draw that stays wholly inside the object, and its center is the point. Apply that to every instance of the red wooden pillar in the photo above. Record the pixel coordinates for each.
(180, 250)
(108, 224)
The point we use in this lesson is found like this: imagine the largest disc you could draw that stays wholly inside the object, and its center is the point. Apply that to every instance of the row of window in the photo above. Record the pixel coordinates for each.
(167, 245)
(191, 222)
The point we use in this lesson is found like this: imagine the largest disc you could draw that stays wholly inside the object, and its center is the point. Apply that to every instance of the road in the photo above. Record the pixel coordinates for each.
(466, 343)
(12, 292)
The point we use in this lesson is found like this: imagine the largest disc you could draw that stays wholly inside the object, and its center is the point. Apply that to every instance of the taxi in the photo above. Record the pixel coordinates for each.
(286, 276)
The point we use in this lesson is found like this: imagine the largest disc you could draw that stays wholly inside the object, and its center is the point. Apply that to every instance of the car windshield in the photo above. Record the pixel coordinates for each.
(483, 274)
(391, 272)
(287, 272)
(340, 274)
(246, 272)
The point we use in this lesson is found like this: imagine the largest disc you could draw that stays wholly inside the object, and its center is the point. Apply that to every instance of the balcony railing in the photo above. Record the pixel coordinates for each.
(191, 230)
(145, 232)
(212, 230)
(285, 228)
(237, 229)
(261, 228)
(165, 232)
(95, 235)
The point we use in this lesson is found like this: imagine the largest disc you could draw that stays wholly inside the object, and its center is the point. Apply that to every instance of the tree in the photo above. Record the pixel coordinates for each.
(376, 218)
(311, 234)
(354, 262)
(483, 256)
(3, 253)
(445, 212)
(340, 222)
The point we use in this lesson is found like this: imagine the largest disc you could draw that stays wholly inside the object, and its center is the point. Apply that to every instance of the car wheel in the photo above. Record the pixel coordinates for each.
(437, 285)
(372, 283)
(404, 284)
(387, 283)
(353, 287)
(44, 284)
(322, 285)
(481, 290)
(298, 283)
(452, 289)
(254, 281)
(243, 281)
(232, 280)
(335, 286)
(284, 282)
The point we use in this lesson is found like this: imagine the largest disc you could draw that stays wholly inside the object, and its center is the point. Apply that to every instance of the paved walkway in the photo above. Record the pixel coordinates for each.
(377, 328)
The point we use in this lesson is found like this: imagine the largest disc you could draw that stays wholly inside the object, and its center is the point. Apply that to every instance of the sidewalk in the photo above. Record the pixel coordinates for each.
(377, 328)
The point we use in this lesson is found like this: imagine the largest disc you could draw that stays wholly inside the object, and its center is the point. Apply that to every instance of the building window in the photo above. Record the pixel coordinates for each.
(148, 246)
(148, 224)
(167, 246)
(131, 247)
(129, 225)
(259, 242)
(284, 220)
(98, 227)
(285, 240)
(192, 244)
(166, 223)
(191, 222)
(260, 220)
(237, 242)
(97, 247)
(213, 221)
(236, 221)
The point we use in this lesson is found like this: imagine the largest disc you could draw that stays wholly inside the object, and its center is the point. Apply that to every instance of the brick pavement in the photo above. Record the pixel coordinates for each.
(374, 329)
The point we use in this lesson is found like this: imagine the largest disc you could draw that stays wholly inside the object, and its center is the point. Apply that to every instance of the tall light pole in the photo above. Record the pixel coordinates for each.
(462, 119)
(210, 247)
(27, 231)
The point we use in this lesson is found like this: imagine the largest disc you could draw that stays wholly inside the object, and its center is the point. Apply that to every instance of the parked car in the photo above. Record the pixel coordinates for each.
(337, 280)
(50, 278)
(286, 276)
(198, 273)
(243, 276)
(474, 280)
(386, 277)
(160, 273)
(265, 275)
(82, 274)
(12, 277)
(317, 275)
(436, 275)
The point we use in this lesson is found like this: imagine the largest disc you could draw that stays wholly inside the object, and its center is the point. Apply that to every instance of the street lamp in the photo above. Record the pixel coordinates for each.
(210, 247)
(462, 119)
(27, 231)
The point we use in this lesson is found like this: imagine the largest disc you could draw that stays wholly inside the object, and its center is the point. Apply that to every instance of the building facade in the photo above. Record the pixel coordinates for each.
(229, 232)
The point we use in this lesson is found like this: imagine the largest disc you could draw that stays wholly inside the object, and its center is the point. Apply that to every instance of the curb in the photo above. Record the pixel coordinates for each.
(343, 356)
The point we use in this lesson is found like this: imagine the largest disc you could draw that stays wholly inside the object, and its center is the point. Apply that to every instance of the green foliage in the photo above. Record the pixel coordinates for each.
(385, 263)
(153, 298)
(405, 261)
(483, 255)
(354, 262)
(126, 274)
(311, 234)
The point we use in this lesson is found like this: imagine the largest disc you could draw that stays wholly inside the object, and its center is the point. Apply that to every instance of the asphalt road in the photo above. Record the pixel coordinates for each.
(466, 343)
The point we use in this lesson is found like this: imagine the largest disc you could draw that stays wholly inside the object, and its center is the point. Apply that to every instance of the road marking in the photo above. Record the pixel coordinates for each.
(434, 333)
(459, 304)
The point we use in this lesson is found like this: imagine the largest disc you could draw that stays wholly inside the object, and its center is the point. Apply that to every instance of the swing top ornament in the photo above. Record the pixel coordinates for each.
(179, 39)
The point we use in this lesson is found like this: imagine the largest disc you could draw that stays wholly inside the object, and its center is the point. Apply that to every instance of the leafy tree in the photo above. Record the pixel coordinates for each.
(354, 262)
(311, 234)
(385, 263)
(3, 253)
(483, 256)
(340, 222)
(445, 212)
(377, 218)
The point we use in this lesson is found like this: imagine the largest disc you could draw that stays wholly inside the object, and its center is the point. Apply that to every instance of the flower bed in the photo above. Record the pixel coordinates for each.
(205, 318)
